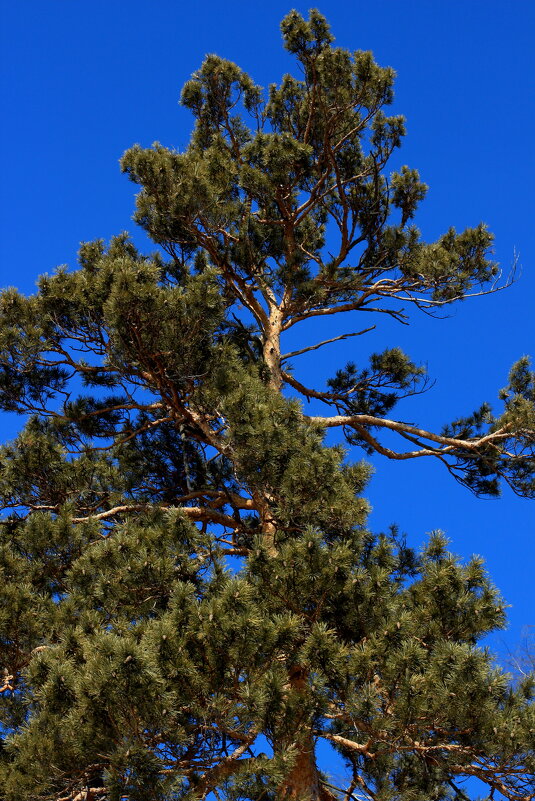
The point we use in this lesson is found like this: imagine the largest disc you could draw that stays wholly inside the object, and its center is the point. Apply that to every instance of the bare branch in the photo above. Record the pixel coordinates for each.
(345, 743)
(326, 342)
(344, 307)
(360, 421)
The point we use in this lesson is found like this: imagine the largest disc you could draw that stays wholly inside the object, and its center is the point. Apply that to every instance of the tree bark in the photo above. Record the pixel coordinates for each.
(303, 783)
(272, 348)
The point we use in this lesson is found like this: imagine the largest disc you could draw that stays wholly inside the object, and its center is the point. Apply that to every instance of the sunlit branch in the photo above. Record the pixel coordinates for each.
(359, 421)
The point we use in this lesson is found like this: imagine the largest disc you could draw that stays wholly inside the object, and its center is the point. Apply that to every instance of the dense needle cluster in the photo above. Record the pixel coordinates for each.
(190, 598)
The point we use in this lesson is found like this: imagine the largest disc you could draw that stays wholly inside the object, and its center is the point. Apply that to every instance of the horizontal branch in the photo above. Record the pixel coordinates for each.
(209, 513)
(351, 306)
(362, 421)
(195, 513)
(345, 743)
(492, 777)
(490, 774)
(84, 795)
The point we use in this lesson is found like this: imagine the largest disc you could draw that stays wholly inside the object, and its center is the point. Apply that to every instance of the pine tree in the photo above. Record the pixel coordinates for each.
(191, 599)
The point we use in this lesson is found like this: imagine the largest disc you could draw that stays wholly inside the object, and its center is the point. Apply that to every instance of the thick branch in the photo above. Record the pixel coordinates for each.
(360, 422)
(196, 513)
(345, 743)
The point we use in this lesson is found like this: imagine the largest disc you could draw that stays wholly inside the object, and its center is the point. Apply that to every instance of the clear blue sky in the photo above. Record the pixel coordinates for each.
(82, 81)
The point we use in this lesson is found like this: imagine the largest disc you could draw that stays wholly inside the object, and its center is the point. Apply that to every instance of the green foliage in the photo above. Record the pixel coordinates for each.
(190, 597)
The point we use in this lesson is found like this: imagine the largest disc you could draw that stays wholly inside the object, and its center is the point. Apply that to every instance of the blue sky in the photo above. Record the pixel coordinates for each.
(82, 81)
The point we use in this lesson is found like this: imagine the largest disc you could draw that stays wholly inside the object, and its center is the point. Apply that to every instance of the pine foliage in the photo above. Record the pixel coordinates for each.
(191, 599)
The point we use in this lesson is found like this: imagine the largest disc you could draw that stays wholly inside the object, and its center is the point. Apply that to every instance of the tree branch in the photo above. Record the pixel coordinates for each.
(326, 342)
(196, 513)
(360, 421)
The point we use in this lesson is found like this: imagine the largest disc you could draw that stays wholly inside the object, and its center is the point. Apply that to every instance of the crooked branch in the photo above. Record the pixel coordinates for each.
(361, 422)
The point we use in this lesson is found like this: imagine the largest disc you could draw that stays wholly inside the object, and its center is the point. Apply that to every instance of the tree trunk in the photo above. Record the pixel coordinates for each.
(272, 348)
(303, 781)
